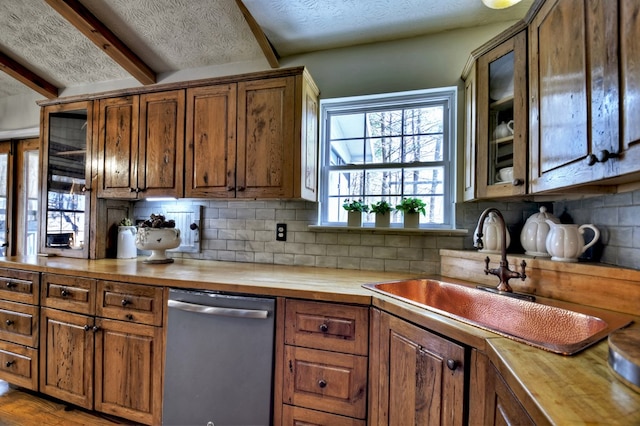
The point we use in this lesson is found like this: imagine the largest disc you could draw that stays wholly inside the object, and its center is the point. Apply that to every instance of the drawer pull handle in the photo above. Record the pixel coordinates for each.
(95, 328)
(324, 327)
(9, 322)
(452, 364)
(125, 302)
(64, 293)
(87, 327)
(322, 383)
(9, 363)
(129, 317)
(10, 284)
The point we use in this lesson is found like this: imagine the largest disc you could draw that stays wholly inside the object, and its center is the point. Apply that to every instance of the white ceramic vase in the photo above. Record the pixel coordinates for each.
(158, 240)
(534, 233)
(126, 242)
(354, 219)
(491, 235)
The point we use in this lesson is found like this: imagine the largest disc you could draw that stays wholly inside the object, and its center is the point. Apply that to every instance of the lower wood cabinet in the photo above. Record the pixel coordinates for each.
(324, 364)
(417, 377)
(112, 364)
(492, 402)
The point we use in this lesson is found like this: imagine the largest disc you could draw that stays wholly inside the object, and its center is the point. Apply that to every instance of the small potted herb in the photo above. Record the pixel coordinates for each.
(412, 207)
(354, 209)
(383, 210)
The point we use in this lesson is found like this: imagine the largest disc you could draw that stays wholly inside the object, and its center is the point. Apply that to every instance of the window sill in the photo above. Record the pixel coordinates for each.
(390, 230)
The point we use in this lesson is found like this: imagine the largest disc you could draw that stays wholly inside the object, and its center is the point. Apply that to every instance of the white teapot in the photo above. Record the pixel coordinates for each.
(491, 235)
(534, 233)
(566, 242)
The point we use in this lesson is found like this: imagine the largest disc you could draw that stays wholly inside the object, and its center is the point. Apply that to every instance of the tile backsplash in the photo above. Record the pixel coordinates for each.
(245, 231)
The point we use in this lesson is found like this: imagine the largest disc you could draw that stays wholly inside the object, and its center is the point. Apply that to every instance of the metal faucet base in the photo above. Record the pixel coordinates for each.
(520, 296)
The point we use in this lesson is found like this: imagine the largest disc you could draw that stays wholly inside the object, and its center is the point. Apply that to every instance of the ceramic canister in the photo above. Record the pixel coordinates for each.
(492, 235)
(534, 233)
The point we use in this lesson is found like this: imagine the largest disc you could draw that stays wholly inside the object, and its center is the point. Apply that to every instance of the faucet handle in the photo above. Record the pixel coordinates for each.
(523, 264)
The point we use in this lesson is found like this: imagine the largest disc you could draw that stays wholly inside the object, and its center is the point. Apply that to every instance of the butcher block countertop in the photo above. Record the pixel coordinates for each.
(555, 389)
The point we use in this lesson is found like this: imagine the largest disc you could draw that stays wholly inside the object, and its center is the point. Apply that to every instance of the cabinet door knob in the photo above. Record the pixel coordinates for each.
(324, 327)
(241, 188)
(591, 160)
(518, 182)
(604, 155)
(452, 364)
(9, 322)
(322, 383)
(87, 327)
(95, 328)
(9, 363)
(231, 188)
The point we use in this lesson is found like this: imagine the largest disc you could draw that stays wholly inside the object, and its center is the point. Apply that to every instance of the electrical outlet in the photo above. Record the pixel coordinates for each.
(281, 232)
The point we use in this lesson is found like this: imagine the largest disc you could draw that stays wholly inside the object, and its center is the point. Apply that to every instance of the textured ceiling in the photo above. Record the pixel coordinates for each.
(174, 35)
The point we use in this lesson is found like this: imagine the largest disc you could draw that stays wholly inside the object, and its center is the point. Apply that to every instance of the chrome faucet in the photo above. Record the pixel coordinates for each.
(503, 272)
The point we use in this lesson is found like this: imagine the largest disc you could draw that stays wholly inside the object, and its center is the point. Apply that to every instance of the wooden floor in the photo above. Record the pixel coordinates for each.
(19, 407)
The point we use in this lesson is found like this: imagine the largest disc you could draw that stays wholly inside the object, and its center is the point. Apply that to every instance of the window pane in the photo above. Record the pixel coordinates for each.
(424, 120)
(350, 151)
(347, 126)
(346, 183)
(384, 182)
(423, 148)
(385, 150)
(423, 181)
(385, 123)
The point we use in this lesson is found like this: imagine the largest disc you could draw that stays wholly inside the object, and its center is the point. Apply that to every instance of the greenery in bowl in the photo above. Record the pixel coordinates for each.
(126, 222)
(412, 206)
(381, 207)
(355, 206)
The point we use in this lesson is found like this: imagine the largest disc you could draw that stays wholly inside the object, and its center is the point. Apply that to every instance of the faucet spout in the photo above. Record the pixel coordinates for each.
(502, 272)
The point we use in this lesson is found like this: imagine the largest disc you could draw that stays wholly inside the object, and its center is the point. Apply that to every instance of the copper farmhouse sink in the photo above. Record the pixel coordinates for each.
(547, 327)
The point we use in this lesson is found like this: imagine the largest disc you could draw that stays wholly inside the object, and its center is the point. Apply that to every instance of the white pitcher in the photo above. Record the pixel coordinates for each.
(126, 242)
(491, 235)
(566, 242)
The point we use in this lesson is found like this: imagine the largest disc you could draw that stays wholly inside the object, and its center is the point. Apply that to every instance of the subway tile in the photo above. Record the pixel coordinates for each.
(372, 240)
(304, 237)
(360, 251)
(283, 259)
(226, 234)
(315, 249)
(235, 245)
(254, 246)
(385, 253)
(228, 213)
(265, 235)
(226, 255)
(304, 260)
(397, 265)
(349, 262)
(255, 224)
(293, 247)
(244, 256)
(349, 238)
(409, 253)
(274, 247)
(264, 257)
(326, 261)
(371, 265)
(327, 238)
(245, 235)
(266, 214)
(397, 240)
(246, 213)
(629, 216)
(282, 215)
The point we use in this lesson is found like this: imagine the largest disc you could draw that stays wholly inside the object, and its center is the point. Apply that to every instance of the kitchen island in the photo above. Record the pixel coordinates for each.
(553, 389)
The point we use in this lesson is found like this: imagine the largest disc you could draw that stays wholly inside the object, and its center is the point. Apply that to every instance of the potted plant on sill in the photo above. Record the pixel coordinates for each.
(412, 207)
(383, 210)
(354, 210)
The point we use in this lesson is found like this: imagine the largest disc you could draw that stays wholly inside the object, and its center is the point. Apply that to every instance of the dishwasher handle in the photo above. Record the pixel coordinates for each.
(215, 310)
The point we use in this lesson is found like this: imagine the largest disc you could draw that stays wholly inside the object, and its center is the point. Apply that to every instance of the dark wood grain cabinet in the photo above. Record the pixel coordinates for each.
(253, 139)
(140, 151)
(102, 346)
(416, 377)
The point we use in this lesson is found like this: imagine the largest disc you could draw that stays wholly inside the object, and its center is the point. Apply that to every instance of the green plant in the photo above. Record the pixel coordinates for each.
(412, 206)
(381, 207)
(126, 222)
(355, 206)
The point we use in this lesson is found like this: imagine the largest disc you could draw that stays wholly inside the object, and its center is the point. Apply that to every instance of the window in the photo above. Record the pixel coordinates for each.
(389, 147)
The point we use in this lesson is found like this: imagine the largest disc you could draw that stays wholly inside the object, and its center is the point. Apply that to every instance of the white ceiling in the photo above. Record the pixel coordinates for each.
(174, 35)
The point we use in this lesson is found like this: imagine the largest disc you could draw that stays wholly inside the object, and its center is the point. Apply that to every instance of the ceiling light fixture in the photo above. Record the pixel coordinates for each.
(499, 4)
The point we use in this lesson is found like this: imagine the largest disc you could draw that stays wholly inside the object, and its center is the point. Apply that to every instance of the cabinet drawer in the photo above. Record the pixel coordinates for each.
(19, 323)
(334, 327)
(19, 286)
(19, 365)
(326, 381)
(129, 302)
(68, 293)
(297, 416)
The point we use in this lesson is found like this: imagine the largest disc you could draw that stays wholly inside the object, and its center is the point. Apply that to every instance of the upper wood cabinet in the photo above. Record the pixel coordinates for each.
(140, 150)
(502, 126)
(470, 133)
(253, 139)
(574, 93)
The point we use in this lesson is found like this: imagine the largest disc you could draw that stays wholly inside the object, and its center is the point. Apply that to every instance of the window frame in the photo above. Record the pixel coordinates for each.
(446, 96)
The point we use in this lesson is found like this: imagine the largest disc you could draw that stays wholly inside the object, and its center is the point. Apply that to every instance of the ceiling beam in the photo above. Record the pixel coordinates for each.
(261, 38)
(81, 18)
(27, 77)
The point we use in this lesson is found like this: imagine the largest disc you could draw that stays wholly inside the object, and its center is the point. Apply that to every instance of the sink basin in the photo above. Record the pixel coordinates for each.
(547, 327)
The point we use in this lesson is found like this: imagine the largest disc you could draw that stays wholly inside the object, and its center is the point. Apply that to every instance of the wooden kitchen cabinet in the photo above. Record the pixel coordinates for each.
(417, 377)
(325, 363)
(492, 402)
(140, 151)
(502, 119)
(102, 346)
(253, 139)
(574, 93)
(470, 133)
(19, 327)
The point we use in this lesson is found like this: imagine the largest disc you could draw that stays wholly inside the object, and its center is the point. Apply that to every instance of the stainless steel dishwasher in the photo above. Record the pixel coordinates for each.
(219, 359)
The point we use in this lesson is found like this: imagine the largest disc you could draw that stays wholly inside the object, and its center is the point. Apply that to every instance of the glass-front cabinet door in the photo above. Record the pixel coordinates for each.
(502, 119)
(65, 200)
